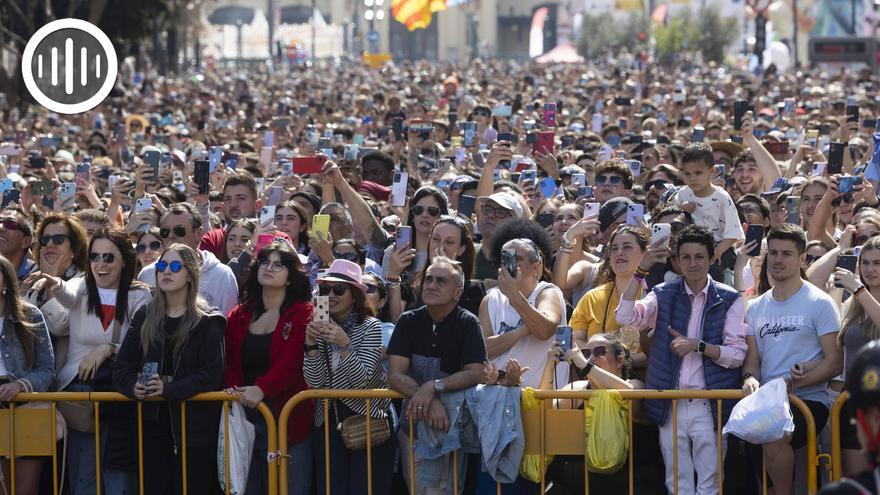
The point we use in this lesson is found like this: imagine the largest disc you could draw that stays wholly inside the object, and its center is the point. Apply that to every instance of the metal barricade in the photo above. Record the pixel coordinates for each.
(836, 450)
(547, 431)
(31, 439)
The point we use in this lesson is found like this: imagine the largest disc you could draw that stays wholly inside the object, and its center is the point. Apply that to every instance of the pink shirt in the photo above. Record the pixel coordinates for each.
(733, 346)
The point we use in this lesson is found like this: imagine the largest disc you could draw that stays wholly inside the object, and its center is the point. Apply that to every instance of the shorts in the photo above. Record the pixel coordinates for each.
(820, 415)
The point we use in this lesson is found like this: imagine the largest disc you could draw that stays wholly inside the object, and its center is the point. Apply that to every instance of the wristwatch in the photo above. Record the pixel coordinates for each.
(439, 386)
(701, 347)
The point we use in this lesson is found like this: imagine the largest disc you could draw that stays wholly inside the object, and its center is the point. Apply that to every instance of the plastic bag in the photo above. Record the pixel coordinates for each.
(764, 416)
(241, 446)
(530, 467)
(605, 426)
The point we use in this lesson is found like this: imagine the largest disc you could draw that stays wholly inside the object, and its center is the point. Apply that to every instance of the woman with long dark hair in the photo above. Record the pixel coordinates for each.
(27, 364)
(427, 204)
(183, 338)
(101, 307)
(264, 357)
(344, 352)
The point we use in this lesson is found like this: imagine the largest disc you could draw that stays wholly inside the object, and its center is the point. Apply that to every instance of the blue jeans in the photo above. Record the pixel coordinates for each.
(81, 454)
(299, 470)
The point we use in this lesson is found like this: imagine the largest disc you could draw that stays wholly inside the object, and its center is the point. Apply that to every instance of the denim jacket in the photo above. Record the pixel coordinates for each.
(483, 419)
(39, 376)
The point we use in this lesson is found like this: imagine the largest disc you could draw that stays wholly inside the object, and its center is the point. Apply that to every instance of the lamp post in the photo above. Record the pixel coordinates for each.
(373, 12)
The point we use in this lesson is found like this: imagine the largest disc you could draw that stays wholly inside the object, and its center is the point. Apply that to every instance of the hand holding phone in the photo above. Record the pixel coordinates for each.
(149, 369)
(563, 337)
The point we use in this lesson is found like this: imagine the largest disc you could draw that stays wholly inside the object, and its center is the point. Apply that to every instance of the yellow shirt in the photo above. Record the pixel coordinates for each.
(597, 306)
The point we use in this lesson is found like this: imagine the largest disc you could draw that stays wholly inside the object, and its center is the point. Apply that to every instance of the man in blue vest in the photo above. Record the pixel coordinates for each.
(698, 343)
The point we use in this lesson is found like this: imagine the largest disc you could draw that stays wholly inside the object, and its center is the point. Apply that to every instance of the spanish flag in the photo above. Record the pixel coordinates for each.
(416, 14)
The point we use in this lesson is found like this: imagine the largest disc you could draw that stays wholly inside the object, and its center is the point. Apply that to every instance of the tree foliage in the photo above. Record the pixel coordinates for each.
(602, 35)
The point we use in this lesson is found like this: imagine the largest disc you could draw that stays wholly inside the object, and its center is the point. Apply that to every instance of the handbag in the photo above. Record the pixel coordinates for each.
(353, 429)
(80, 415)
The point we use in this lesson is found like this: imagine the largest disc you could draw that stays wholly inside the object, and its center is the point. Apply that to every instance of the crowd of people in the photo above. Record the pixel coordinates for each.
(430, 228)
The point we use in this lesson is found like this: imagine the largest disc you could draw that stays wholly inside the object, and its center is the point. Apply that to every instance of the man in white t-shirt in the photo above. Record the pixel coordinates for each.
(792, 334)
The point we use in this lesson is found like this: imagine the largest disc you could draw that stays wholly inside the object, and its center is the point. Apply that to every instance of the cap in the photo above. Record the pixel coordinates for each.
(314, 200)
(506, 201)
(781, 184)
(863, 377)
(611, 210)
(63, 156)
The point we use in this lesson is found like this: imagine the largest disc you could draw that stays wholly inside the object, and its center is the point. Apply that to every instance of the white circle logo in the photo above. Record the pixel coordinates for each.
(69, 66)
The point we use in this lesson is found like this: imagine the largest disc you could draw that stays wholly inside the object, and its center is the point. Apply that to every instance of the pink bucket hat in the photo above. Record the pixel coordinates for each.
(344, 271)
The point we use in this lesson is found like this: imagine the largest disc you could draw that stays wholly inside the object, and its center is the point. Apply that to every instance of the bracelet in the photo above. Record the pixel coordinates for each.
(392, 279)
(746, 376)
(588, 368)
(565, 242)
(310, 348)
(565, 250)
(642, 272)
(393, 285)
(638, 276)
(859, 291)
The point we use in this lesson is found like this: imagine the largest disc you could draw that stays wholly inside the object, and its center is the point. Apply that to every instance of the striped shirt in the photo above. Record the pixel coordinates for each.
(360, 370)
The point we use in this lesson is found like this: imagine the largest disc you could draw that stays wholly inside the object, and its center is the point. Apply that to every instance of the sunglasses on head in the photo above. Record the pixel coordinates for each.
(178, 231)
(153, 246)
(432, 210)
(57, 239)
(337, 289)
(614, 180)
(107, 257)
(163, 265)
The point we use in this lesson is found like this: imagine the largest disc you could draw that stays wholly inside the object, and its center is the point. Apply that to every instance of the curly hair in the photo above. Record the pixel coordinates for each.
(521, 228)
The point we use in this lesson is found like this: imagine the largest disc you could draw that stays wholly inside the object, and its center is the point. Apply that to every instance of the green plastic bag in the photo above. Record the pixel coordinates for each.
(605, 426)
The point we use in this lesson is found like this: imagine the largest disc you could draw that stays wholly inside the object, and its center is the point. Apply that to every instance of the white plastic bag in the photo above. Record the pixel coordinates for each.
(764, 416)
(241, 446)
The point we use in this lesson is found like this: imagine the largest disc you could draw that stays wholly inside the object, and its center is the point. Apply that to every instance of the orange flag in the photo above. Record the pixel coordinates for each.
(416, 14)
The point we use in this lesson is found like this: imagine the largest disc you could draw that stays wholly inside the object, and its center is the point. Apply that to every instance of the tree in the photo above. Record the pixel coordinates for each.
(708, 33)
(603, 35)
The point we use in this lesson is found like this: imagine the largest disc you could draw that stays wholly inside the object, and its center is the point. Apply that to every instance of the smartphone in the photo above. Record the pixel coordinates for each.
(591, 210)
(66, 196)
(545, 219)
(818, 169)
(812, 138)
(398, 189)
(308, 164)
(321, 311)
(635, 167)
(508, 261)
(10, 149)
(11, 196)
(83, 172)
(502, 111)
(469, 133)
(548, 187)
(835, 157)
(466, 205)
(269, 139)
(614, 141)
(321, 225)
(151, 158)
(563, 337)
(848, 262)
(578, 180)
(549, 116)
(755, 232)
(543, 142)
(531, 175)
(793, 206)
(286, 168)
(42, 188)
(149, 369)
(699, 134)
(623, 101)
(265, 156)
(143, 204)
(634, 213)
(596, 123)
(351, 153)
(202, 176)
(846, 184)
(403, 237)
(585, 192)
(275, 195)
(232, 161)
(507, 136)
(740, 107)
(852, 113)
(869, 123)
(661, 232)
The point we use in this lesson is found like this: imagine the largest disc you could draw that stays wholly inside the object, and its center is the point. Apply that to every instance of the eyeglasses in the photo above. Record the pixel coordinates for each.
(178, 231)
(598, 351)
(337, 289)
(153, 246)
(12, 224)
(57, 239)
(107, 257)
(371, 288)
(163, 265)
(614, 180)
(353, 257)
(750, 209)
(272, 266)
(491, 211)
(432, 210)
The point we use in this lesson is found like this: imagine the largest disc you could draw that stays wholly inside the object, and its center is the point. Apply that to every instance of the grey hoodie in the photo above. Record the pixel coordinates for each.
(218, 285)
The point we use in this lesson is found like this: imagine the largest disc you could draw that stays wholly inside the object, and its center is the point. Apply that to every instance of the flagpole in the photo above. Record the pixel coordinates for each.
(314, 7)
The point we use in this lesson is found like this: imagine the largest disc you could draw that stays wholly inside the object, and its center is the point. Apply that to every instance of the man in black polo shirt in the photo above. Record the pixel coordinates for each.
(438, 347)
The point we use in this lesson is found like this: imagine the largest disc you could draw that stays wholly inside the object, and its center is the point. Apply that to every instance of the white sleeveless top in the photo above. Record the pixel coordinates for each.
(530, 351)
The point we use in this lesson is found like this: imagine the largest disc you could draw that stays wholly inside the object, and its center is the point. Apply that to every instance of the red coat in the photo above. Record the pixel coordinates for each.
(285, 376)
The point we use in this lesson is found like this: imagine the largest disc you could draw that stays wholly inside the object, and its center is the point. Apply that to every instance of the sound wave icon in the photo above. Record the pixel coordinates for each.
(69, 66)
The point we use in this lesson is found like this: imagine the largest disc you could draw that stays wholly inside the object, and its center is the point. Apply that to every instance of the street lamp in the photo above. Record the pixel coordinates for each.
(373, 12)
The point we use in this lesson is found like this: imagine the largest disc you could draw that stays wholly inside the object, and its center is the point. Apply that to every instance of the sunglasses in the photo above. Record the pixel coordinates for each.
(481, 113)
(677, 227)
(614, 180)
(178, 231)
(432, 210)
(12, 224)
(163, 265)
(371, 288)
(337, 289)
(811, 258)
(353, 257)
(153, 246)
(598, 351)
(57, 239)
(491, 211)
(107, 257)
